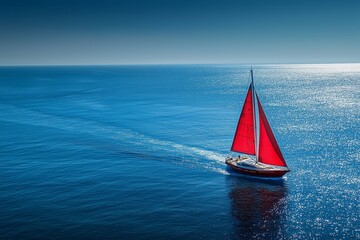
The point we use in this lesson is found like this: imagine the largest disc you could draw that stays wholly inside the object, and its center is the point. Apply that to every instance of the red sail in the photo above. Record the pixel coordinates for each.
(244, 136)
(269, 151)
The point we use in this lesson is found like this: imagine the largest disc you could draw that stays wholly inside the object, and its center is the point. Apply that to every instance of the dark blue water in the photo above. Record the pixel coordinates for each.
(137, 152)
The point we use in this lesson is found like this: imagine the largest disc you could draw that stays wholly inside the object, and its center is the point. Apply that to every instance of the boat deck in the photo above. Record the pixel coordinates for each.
(249, 163)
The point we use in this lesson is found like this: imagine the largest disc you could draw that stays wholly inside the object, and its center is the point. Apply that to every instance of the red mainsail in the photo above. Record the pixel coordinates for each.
(269, 151)
(244, 139)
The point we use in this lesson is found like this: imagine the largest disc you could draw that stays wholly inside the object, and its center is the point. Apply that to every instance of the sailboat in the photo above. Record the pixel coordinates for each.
(260, 154)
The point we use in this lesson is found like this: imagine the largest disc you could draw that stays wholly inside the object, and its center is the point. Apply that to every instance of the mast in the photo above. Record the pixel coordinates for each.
(254, 115)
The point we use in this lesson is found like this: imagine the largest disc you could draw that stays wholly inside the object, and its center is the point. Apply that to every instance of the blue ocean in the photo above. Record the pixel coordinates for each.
(138, 152)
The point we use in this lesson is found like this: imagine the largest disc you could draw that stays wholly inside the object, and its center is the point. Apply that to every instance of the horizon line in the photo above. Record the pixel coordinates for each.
(173, 64)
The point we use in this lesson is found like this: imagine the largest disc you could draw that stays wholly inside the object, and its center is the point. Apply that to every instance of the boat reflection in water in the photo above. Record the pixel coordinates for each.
(259, 209)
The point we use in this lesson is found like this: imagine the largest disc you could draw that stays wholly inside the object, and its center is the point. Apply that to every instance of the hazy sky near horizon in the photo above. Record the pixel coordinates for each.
(36, 32)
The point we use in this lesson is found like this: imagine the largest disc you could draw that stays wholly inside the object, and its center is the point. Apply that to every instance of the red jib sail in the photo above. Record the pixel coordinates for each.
(269, 151)
(244, 140)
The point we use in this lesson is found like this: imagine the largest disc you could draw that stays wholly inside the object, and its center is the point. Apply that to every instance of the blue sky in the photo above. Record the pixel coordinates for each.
(37, 32)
